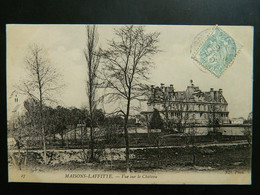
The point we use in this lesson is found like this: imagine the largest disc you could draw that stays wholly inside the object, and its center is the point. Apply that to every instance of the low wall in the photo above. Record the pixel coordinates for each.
(225, 130)
(55, 157)
(202, 130)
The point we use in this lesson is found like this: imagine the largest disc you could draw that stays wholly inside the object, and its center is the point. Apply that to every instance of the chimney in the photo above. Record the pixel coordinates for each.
(171, 88)
(162, 85)
(191, 83)
(220, 95)
(212, 93)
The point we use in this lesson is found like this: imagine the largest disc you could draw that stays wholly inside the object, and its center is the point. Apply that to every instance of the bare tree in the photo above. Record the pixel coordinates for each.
(40, 84)
(111, 131)
(127, 64)
(92, 56)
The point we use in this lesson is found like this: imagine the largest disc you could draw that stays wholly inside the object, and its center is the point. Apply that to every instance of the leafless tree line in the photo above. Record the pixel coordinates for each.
(124, 73)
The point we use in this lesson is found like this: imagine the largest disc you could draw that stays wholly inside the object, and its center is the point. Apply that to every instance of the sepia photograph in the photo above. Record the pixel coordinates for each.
(129, 104)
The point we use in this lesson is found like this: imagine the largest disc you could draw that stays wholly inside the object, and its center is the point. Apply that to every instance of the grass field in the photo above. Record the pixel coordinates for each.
(212, 158)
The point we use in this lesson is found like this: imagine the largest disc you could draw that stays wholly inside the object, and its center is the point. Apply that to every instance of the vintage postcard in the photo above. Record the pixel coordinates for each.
(129, 104)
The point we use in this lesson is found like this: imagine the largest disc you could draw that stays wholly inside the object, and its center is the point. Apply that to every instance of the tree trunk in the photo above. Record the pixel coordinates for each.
(75, 135)
(126, 136)
(53, 137)
(81, 136)
(62, 139)
(44, 147)
(91, 120)
(148, 128)
(193, 159)
(111, 163)
(40, 140)
(67, 141)
(126, 146)
(149, 134)
(26, 155)
(19, 158)
(91, 143)
(41, 111)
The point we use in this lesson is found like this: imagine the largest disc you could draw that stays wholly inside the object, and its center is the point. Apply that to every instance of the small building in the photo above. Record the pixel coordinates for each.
(239, 120)
(15, 109)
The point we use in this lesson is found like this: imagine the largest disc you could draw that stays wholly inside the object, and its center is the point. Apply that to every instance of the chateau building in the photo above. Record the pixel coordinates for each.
(189, 106)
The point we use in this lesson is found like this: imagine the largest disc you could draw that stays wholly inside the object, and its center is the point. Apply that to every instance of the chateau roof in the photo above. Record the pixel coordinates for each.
(192, 93)
(180, 95)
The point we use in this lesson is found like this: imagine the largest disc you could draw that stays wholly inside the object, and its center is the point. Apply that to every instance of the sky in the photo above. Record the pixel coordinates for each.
(173, 65)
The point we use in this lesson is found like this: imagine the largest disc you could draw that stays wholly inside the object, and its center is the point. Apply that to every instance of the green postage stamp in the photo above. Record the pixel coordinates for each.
(216, 50)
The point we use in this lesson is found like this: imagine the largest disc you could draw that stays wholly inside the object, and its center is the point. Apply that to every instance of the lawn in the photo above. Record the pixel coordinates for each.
(226, 158)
